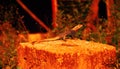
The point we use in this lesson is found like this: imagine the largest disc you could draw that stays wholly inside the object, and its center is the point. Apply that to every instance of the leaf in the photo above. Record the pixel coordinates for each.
(18, 67)
(1, 44)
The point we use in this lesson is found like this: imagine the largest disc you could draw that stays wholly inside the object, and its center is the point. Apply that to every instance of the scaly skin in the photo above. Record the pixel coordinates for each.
(64, 34)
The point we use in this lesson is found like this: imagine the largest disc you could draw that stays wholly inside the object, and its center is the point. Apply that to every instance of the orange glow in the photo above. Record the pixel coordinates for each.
(36, 37)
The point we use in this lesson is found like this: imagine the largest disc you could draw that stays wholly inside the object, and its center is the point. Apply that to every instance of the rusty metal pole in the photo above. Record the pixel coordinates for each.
(54, 13)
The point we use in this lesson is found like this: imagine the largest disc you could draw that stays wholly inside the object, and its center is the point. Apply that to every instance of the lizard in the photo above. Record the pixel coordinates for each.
(64, 34)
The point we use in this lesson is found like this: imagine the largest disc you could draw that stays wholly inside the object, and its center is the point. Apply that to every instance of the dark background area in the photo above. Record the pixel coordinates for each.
(102, 12)
(41, 8)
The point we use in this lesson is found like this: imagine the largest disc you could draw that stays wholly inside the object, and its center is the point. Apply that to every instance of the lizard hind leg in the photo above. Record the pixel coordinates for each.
(71, 35)
(64, 38)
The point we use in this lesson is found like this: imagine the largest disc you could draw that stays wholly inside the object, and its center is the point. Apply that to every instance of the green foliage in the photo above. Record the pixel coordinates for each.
(9, 12)
(74, 8)
(116, 35)
(10, 25)
(69, 14)
(116, 14)
(8, 39)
